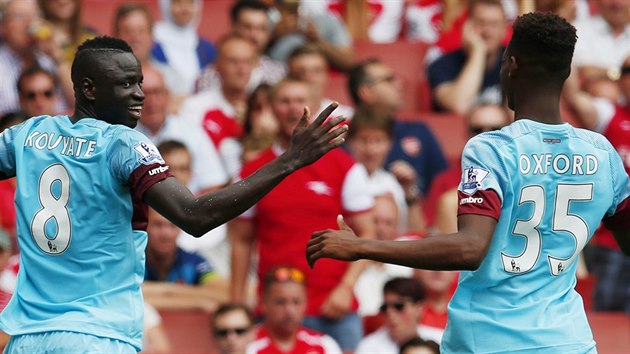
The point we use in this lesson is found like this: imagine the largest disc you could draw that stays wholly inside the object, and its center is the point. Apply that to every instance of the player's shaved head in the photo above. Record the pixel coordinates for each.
(90, 53)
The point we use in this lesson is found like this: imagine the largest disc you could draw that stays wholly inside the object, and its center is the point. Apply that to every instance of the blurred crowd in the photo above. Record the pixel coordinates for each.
(218, 110)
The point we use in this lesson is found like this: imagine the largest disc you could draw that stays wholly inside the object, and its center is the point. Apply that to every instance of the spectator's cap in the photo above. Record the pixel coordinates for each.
(5, 240)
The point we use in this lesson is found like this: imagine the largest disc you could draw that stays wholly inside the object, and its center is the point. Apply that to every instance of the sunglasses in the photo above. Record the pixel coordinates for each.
(30, 95)
(398, 306)
(283, 274)
(224, 332)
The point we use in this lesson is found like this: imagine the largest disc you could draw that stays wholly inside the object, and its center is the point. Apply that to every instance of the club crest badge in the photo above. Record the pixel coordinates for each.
(149, 154)
(472, 178)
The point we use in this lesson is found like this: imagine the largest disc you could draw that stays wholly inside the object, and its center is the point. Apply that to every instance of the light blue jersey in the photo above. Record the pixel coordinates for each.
(80, 226)
(554, 185)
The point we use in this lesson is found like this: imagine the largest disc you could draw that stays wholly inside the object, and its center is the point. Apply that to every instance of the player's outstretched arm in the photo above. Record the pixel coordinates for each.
(463, 250)
(198, 215)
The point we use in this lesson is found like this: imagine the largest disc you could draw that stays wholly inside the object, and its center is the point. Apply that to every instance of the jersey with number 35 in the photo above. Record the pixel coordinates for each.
(81, 225)
(549, 186)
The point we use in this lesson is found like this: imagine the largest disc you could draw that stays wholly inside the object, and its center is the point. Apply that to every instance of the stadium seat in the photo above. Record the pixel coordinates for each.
(610, 330)
(449, 129)
(188, 331)
(407, 60)
(584, 287)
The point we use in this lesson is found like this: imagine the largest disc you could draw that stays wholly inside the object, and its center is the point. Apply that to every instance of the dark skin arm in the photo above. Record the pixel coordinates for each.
(198, 215)
(463, 250)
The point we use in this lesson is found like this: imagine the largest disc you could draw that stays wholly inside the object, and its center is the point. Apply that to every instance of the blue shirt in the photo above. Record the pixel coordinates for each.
(415, 143)
(555, 184)
(80, 225)
(189, 268)
(448, 67)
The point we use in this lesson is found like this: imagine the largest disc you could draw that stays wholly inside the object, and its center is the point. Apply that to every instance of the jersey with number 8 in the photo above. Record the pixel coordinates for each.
(554, 183)
(80, 225)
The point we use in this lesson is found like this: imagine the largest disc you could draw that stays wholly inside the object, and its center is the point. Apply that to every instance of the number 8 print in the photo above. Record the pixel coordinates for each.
(53, 208)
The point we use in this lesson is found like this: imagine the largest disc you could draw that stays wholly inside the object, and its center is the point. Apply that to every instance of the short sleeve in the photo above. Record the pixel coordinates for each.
(480, 190)
(134, 160)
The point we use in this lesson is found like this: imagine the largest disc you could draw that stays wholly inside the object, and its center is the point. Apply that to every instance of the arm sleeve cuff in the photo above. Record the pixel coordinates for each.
(483, 202)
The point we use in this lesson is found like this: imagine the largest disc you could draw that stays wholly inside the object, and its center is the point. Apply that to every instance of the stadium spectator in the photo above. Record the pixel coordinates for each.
(18, 50)
(133, 23)
(493, 307)
(174, 278)
(249, 19)
(374, 86)
(281, 223)
(220, 112)
(294, 29)
(67, 29)
(603, 44)
(370, 139)
(159, 125)
(377, 21)
(60, 34)
(232, 328)
(177, 43)
(376, 274)
(418, 345)
(470, 75)
(213, 246)
(441, 203)
(439, 286)
(103, 219)
(607, 262)
(402, 307)
(9, 266)
(261, 126)
(284, 306)
(37, 92)
(309, 63)
(154, 337)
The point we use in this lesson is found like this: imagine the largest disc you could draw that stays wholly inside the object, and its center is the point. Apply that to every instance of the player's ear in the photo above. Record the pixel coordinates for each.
(88, 89)
(512, 67)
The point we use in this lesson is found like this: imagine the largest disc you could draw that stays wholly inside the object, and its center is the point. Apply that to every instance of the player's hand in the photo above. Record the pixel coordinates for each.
(337, 244)
(309, 142)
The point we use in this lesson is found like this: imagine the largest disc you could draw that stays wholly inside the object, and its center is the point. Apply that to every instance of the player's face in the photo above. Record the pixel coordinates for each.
(285, 304)
(229, 335)
(370, 147)
(288, 105)
(118, 92)
(401, 323)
